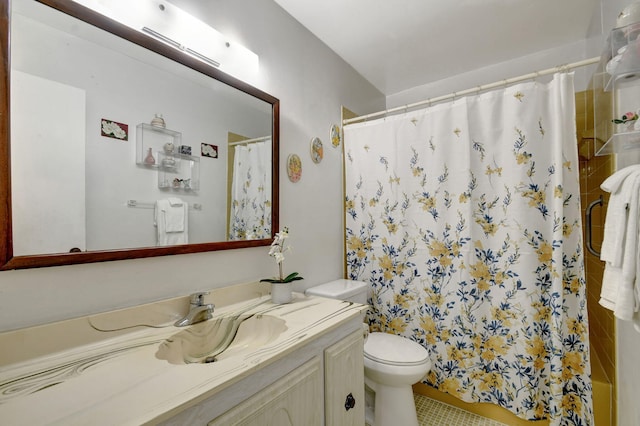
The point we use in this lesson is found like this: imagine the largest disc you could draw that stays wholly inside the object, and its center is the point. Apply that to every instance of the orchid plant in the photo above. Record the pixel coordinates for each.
(278, 248)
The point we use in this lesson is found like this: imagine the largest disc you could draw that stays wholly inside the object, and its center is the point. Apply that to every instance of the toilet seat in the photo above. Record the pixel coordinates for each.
(391, 349)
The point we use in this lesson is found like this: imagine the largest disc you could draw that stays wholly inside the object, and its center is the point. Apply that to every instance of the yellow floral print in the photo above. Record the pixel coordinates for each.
(451, 386)
(545, 251)
(427, 202)
(356, 245)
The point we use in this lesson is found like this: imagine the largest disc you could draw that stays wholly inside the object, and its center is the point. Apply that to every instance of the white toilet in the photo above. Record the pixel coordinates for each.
(391, 363)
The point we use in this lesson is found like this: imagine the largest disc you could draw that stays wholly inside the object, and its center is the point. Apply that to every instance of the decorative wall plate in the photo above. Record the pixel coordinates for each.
(336, 136)
(316, 150)
(294, 167)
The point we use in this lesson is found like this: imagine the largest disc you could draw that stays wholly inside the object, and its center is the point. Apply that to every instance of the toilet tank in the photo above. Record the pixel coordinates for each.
(349, 290)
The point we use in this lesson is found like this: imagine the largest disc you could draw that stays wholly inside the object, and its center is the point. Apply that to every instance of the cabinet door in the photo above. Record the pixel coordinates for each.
(294, 399)
(344, 382)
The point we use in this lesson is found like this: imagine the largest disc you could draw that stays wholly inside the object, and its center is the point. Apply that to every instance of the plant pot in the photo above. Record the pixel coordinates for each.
(281, 293)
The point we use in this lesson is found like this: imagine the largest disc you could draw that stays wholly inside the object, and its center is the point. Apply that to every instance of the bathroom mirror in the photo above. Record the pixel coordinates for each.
(82, 95)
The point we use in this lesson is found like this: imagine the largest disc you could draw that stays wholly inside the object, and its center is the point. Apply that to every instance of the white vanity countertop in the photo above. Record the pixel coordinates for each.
(120, 379)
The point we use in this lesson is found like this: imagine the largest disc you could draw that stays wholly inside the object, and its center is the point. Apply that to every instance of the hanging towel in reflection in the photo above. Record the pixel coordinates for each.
(620, 290)
(172, 221)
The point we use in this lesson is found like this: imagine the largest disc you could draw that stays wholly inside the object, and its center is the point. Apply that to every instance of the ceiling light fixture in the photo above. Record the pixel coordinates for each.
(182, 31)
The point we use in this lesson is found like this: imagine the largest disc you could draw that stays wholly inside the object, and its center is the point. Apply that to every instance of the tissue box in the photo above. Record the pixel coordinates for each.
(184, 149)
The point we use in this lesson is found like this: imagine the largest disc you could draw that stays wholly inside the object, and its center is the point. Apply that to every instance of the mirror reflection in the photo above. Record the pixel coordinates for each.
(116, 147)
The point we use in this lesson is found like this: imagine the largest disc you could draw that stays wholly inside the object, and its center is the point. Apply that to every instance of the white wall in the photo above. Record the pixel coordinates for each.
(38, 200)
(501, 71)
(312, 83)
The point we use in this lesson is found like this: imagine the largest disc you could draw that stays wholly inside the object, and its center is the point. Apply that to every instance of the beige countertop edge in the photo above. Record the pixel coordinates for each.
(158, 389)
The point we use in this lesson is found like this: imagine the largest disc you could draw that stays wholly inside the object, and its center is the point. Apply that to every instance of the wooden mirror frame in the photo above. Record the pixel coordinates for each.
(7, 259)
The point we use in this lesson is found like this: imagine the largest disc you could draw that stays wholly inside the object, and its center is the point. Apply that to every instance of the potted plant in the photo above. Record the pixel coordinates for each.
(281, 286)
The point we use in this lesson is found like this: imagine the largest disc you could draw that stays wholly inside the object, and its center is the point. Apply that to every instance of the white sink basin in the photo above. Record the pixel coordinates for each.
(220, 338)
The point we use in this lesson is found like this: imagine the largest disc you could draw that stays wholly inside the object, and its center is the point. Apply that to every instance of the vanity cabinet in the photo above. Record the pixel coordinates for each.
(285, 365)
(319, 384)
(292, 400)
(616, 92)
(344, 382)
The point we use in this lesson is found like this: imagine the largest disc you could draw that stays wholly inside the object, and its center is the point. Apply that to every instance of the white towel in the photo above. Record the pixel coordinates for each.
(174, 215)
(167, 219)
(619, 291)
(615, 225)
(174, 201)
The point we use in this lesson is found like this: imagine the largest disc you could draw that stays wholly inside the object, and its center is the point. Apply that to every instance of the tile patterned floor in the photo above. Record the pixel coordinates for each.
(435, 413)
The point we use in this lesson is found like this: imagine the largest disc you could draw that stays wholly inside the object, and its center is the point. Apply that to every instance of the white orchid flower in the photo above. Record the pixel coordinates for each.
(277, 250)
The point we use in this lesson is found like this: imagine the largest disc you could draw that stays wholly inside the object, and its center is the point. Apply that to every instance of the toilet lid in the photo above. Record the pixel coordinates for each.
(395, 350)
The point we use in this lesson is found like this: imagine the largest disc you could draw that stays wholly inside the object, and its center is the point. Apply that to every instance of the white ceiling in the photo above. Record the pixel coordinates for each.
(400, 44)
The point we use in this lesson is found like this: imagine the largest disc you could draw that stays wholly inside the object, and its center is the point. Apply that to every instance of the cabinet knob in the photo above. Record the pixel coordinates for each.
(350, 402)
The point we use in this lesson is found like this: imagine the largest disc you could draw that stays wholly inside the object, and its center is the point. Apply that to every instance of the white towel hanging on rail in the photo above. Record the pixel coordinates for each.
(171, 222)
(620, 291)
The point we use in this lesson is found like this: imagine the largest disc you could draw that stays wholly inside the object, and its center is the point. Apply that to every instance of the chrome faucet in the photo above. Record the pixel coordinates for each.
(198, 311)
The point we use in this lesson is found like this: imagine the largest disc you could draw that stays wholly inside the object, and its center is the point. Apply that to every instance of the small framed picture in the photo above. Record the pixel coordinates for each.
(113, 129)
(208, 150)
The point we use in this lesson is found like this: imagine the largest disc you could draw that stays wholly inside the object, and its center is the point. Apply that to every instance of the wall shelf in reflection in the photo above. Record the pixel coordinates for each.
(148, 136)
(178, 172)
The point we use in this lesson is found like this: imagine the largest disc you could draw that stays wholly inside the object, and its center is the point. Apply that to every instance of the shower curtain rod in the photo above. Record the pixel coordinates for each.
(476, 89)
(254, 140)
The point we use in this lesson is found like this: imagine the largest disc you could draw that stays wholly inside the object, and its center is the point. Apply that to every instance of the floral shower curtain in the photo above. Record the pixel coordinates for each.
(465, 220)
(251, 192)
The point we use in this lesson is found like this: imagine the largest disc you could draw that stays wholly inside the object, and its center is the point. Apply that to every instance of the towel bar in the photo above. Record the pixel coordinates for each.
(588, 232)
(149, 205)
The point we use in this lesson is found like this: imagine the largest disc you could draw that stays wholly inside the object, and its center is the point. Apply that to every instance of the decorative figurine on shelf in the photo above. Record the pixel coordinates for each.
(187, 184)
(177, 183)
(168, 162)
(158, 121)
(149, 160)
(168, 147)
(629, 119)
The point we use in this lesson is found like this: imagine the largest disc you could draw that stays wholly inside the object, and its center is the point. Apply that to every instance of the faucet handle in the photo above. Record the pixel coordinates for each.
(197, 299)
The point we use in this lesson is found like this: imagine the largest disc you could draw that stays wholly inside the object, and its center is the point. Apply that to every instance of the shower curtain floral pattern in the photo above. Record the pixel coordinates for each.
(250, 213)
(465, 220)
